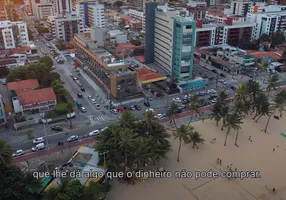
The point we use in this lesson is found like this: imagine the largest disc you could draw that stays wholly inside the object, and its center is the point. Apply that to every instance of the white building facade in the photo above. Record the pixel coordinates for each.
(44, 10)
(240, 7)
(13, 34)
(96, 16)
(267, 22)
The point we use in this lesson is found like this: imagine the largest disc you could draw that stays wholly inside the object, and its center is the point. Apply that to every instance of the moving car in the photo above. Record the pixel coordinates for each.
(159, 116)
(92, 101)
(79, 95)
(97, 106)
(146, 103)
(57, 128)
(83, 109)
(38, 147)
(72, 138)
(114, 111)
(38, 140)
(94, 133)
(82, 89)
(178, 100)
(137, 107)
(18, 153)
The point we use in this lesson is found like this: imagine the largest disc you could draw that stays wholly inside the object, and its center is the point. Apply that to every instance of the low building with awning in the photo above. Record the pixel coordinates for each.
(146, 75)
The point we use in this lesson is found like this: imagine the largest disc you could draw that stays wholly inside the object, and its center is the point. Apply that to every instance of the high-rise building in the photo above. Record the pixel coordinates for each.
(240, 7)
(96, 16)
(170, 40)
(44, 10)
(13, 34)
(183, 48)
(65, 27)
(150, 10)
(62, 6)
(267, 22)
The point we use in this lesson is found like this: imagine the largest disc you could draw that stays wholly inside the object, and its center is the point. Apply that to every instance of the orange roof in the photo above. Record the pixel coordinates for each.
(124, 46)
(145, 75)
(140, 58)
(21, 50)
(276, 55)
(25, 84)
(36, 96)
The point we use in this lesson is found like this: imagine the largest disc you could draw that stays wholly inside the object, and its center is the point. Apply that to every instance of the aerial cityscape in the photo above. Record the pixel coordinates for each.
(142, 99)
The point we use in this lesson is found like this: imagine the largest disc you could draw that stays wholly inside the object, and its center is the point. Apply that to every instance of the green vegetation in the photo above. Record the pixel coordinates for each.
(74, 190)
(15, 184)
(60, 110)
(250, 99)
(40, 27)
(60, 44)
(135, 42)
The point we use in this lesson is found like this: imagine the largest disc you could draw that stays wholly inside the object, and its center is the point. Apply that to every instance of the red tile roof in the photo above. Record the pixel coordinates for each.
(140, 58)
(276, 55)
(21, 50)
(25, 84)
(124, 46)
(145, 75)
(36, 96)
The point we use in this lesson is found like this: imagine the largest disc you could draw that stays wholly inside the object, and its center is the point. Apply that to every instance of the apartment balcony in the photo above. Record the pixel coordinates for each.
(186, 48)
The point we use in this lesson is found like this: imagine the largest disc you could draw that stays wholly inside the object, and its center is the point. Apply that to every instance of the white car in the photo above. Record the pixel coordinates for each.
(177, 100)
(159, 116)
(212, 91)
(18, 153)
(38, 140)
(94, 133)
(214, 101)
(72, 138)
(150, 109)
(89, 97)
(92, 101)
(97, 106)
(83, 109)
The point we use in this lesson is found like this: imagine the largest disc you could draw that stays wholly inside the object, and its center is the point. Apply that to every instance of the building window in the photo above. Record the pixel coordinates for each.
(178, 25)
(189, 27)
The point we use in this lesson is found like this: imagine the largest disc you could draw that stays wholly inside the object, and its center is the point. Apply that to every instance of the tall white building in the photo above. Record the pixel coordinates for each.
(62, 6)
(261, 7)
(34, 5)
(13, 34)
(138, 14)
(44, 10)
(65, 27)
(267, 22)
(240, 7)
(96, 16)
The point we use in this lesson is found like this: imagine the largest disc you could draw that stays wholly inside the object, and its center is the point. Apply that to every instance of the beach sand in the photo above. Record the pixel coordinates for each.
(257, 155)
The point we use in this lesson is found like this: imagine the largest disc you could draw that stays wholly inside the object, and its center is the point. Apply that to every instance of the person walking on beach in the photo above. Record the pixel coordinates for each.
(220, 161)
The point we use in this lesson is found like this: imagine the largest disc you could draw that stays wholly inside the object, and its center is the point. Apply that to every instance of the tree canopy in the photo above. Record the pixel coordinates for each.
(135, 42)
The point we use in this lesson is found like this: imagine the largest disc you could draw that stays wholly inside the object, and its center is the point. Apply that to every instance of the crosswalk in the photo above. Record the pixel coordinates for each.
(94, 119)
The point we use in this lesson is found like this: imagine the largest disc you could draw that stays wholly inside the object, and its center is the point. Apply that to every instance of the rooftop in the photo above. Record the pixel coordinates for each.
(275, 54)
(35, 96)
(120, 47)
(24, 84)
(146, 75)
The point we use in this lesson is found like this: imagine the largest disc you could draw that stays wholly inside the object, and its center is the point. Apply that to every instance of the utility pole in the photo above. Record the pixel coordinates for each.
(104, 163)
(46, 121)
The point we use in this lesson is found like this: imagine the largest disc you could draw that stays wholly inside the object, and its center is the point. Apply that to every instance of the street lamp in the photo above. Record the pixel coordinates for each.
(45, 131)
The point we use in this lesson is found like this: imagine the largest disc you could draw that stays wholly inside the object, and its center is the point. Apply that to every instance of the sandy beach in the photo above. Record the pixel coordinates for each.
(257, 155)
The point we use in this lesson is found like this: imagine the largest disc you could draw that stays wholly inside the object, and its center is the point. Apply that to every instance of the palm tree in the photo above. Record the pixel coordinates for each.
(196, 138)
(277, 105)
(252, 89)
(128, 119)
(216, 113)
(194, 106)
(142, 152)
(272, 83)
(241, 93)
(172, 112)
(149, 121)
(183, 133)
(260, 100)
(241, 108)
(5, 153)
(127, 140)
(232, 121)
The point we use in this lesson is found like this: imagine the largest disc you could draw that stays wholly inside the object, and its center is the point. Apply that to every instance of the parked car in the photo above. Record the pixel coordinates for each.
(114, 111)
(82, 89)
(132, 108)
(56, 128)
(94, 133)
(18, 153)
(92, 101)
(4, 82)
(38, 140)
(75, 78)
(222, 75)
(146, 103)
(149, 109)
(159, 116)
(89, 97)
(72, 138)
(83, 109)
(38, 147)
(137, 107)
(79, 95)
